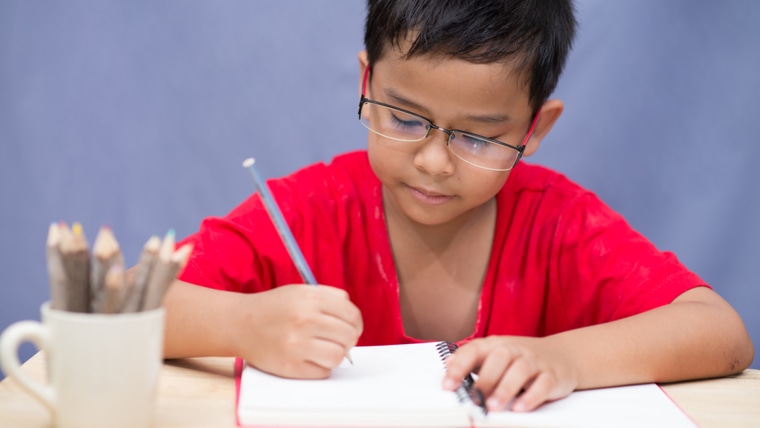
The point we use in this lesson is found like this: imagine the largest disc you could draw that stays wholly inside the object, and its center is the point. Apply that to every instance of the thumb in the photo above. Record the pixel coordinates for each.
(334, 290)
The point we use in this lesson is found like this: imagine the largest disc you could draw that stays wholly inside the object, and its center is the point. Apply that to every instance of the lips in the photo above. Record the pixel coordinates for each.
(429, 196)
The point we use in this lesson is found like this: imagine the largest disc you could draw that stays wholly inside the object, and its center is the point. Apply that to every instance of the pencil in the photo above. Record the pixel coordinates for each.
(59, 283)
(180, 258)
(106, 252)
(76, 262)
(279, 222)
(282, 228)
(113, 290)
(137, 283)
(168, 265)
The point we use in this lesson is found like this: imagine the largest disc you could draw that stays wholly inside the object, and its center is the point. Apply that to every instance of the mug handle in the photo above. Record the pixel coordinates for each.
(13, 336)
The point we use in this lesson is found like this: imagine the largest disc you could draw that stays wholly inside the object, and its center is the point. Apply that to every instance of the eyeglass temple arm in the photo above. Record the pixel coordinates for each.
(364, 89)
(364, 79)
(532, 127)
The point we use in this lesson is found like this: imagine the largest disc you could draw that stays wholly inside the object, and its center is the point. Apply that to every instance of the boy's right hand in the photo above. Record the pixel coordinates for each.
(297, 331)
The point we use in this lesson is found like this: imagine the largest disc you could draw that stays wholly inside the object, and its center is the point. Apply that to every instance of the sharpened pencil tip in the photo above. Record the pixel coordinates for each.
(248, 162)
(54, 235)
(76, 228)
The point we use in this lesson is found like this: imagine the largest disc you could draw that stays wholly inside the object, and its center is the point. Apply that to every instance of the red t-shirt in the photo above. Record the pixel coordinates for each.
(561, 259)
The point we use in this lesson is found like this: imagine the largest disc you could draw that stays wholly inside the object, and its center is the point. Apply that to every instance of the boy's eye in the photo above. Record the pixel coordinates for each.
(471, 143)
(408, 123)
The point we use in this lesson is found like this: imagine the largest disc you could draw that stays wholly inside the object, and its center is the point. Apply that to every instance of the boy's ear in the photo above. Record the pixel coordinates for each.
(363, 63)
(551, 110)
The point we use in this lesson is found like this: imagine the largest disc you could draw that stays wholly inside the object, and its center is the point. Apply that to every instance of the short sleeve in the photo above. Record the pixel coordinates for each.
(224, 257)
(606, 270)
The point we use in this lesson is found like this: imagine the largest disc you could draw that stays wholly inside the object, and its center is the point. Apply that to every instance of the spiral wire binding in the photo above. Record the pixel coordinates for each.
(466, 393)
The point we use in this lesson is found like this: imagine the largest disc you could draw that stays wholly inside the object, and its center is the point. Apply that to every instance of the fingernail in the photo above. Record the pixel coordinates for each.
(494, 404)
(449, 383)
(518, 407)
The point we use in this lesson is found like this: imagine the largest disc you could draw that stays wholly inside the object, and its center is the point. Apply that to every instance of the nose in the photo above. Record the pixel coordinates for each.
(433, 156)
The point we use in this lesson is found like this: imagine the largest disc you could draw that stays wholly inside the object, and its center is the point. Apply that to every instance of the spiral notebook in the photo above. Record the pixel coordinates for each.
(400, 385)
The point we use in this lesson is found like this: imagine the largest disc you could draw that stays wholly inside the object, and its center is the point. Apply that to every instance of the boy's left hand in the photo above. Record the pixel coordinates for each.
(529, 370)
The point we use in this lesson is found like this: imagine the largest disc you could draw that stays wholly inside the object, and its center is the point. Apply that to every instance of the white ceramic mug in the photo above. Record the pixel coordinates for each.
(102, 368)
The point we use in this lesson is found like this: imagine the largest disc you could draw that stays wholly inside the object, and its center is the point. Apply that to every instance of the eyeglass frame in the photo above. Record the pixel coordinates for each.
(449, 132)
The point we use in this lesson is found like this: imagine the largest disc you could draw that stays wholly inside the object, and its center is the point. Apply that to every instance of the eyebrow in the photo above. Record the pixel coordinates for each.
(409, 104)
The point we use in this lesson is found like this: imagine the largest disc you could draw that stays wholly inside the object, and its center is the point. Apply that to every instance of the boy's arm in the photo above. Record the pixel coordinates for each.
(698, 335)
(293, 331)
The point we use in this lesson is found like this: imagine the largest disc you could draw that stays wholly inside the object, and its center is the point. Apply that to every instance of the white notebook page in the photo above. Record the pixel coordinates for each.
(400, 385)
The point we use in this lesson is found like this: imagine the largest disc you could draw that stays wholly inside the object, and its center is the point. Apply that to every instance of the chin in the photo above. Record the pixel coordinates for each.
(428, 215)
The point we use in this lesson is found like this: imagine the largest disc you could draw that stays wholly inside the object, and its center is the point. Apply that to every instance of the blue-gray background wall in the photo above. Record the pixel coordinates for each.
(138, 114)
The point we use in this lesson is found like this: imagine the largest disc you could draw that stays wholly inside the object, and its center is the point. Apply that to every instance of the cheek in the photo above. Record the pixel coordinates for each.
(385, 158)
(378, 157)
(486, 184)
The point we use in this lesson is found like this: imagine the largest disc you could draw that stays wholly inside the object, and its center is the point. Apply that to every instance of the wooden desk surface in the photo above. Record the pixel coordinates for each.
(200, 392)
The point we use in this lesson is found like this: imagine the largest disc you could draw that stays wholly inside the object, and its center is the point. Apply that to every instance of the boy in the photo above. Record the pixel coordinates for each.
(439, 232)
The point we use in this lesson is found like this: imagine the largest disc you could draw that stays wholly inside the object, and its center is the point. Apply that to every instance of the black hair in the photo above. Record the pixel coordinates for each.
(533, 35)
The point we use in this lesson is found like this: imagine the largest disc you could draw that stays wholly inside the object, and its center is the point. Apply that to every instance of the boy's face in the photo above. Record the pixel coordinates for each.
(424, 181)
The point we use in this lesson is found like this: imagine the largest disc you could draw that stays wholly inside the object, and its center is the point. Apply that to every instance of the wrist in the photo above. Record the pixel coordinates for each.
(239, 315)
(572, 356)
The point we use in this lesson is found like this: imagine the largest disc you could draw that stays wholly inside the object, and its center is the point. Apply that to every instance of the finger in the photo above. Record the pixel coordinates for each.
(290, 365)
(350, 315)
(334, 330)
(518, 376)
(310, 370)
(310, 291)
(342, 309)
(338, 292)
(535, 395)
(325, 354)
(304, 301)
(466, 360)
(493, 369)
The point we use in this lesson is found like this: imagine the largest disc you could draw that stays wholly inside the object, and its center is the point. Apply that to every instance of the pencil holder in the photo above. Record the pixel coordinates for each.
(102, 368)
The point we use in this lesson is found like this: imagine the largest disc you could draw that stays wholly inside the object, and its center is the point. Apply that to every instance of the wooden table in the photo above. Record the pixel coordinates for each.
(200, 392)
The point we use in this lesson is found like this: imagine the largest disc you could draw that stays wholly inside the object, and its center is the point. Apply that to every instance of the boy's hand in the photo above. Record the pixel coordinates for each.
(529, 370)
(297, 331)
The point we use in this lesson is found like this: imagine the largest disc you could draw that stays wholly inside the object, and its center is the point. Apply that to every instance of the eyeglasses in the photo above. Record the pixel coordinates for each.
(402, 125)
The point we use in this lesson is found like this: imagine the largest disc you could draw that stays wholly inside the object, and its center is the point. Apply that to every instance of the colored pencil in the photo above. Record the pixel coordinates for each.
(167, 266)
(138, 282)
(113, 290)
(76, 262)
(279, 222)
(59, 284)
(106, 252)
(282, 228)
(99, 283)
